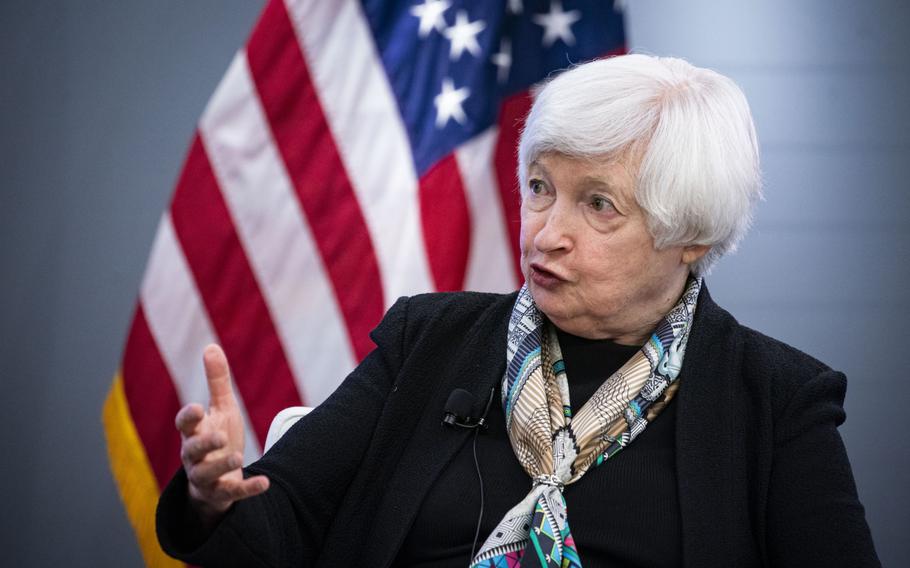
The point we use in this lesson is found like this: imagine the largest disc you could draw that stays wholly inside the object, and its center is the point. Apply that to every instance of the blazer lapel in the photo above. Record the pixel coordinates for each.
(479, 365)
(705, 438)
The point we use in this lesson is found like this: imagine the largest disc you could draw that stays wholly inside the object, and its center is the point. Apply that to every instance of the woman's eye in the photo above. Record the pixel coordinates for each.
(600, 203)
(536, 186)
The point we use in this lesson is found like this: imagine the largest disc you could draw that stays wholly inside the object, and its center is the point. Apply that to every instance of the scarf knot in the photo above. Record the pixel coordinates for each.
(550, 480)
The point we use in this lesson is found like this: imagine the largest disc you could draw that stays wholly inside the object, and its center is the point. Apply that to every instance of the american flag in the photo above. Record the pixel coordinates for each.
(353, 153)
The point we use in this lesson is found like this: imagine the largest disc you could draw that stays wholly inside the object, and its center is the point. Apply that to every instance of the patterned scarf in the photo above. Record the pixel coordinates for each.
(556, 447)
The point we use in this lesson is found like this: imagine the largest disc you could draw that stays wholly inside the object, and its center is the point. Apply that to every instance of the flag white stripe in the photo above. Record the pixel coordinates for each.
(364, 119)
(489, 260)
(179, 324)
(274, 232)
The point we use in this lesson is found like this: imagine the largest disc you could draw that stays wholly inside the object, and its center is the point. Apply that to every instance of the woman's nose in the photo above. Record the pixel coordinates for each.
(556, 230)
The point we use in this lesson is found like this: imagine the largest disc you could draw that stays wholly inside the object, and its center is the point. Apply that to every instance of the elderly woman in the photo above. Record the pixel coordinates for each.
(635, 423)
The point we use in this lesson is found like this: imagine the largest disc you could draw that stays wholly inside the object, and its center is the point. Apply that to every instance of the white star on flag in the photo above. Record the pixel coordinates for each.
(515, 6)
(430, 14)
(463, 35)
(448, 103)
(503, 60)
(557, 24)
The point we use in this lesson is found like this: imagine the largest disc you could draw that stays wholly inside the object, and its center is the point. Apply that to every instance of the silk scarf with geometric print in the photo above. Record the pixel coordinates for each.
(555, 445)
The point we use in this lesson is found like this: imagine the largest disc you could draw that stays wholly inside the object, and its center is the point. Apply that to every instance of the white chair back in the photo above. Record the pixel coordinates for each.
(283, 422)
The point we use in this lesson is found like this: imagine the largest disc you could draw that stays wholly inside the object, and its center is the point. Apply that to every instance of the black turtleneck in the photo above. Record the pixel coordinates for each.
(623, 513)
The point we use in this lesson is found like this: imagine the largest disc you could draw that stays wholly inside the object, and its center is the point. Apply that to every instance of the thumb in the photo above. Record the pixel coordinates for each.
(218, 377)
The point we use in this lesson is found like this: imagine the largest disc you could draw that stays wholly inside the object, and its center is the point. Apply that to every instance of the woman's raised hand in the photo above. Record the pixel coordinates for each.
(212, 444)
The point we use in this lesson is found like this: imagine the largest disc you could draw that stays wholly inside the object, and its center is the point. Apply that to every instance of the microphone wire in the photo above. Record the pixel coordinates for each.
(479, 475)
(480, 480)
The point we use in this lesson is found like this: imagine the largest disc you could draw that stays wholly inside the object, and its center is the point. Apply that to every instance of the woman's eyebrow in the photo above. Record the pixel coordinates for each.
(538, 165)
(595, 180)
(599, 182)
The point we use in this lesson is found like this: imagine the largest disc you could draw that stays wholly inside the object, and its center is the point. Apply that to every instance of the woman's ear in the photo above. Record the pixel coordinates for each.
(693, 253)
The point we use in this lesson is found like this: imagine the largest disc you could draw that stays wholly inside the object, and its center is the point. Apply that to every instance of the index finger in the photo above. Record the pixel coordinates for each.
(218, 377)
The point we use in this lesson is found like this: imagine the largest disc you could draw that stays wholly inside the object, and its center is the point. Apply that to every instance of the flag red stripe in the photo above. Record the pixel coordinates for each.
(231, 295)
(446, 224)
(305, 141)
(151, 396)
(621, 50)
(511, 119)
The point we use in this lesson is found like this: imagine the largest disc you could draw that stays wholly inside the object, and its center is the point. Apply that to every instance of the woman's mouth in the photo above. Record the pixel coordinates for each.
(544, 278)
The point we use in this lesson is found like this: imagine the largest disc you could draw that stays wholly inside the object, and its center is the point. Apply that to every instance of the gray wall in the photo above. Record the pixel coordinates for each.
(98, 103)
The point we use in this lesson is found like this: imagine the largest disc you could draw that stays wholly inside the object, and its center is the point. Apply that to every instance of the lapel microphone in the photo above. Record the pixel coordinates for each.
(458, 410)
(458, 415)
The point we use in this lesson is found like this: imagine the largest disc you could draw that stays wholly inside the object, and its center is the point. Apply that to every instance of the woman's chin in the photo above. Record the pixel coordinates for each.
(551, 304)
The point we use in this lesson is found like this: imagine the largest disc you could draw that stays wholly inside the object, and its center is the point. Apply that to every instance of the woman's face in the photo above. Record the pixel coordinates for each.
(586, 252)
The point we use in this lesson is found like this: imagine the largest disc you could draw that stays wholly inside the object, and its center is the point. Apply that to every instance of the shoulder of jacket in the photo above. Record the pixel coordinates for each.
(776, 353)
(457, 302)
(767, 364)
(456, 310)
(446, 313)
(785, 367)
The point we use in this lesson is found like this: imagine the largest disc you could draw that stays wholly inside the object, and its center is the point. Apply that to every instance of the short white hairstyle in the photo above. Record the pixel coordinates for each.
(699, 176)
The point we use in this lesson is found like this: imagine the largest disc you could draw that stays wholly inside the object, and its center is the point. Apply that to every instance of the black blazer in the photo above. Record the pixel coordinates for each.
(763, 476)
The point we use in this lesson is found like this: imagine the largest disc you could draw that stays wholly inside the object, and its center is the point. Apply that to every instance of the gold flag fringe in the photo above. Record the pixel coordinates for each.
(133, 475)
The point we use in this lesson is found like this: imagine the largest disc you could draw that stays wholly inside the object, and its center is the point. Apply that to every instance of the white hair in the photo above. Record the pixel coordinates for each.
(699, 175)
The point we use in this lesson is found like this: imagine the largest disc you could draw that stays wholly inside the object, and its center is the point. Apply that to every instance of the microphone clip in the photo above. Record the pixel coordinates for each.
(458, 411)
(454, 421)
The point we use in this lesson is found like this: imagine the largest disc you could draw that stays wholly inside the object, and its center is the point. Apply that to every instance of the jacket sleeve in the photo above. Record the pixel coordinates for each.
(814, 514)
(309, 468)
